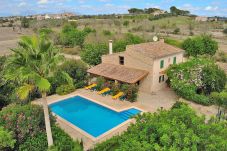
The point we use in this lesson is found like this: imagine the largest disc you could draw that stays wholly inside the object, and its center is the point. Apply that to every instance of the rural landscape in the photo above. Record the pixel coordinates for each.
(148, 79)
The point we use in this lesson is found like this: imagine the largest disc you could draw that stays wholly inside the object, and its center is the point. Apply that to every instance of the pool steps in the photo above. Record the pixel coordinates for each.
(127, 114)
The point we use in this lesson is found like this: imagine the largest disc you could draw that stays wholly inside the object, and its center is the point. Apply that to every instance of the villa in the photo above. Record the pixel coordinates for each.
(142, 64)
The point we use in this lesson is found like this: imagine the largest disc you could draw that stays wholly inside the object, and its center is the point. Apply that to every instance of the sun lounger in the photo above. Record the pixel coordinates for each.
(107, 93)
(104, 90)
(90, 86)
(118, 95)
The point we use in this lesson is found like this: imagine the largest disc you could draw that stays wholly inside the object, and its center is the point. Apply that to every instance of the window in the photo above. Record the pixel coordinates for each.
(121, 60)
(161, 78)
(162, 64)
(174, 60)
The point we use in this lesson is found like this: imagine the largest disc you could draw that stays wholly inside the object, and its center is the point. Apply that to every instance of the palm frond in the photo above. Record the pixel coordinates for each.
(23, 91)
(43, 84)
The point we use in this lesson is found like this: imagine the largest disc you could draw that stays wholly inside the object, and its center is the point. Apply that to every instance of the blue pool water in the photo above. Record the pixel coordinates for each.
(89, 116)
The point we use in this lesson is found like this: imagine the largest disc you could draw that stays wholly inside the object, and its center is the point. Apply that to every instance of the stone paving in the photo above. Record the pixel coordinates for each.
(146, 102)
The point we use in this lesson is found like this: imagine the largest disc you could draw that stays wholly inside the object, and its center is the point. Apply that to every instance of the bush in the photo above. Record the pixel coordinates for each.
(200, 45)
(107, 33)
(177, 129)
(129, 39)
(65, 89)
(77, 70)
(126, 23)
(196, 79)
(131, 91)
(70, 36)
(62, 142)
(24, 121)
(173, 42)
(176, 31)
(35, 143)
(92, 53)
(225, 31)
(100, 83)
(6, 139)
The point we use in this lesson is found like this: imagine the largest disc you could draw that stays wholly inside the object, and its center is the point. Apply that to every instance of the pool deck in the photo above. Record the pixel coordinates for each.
(146, 102)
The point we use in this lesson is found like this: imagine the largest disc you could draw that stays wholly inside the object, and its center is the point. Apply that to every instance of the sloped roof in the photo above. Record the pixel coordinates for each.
(118, 72)
(155, 49)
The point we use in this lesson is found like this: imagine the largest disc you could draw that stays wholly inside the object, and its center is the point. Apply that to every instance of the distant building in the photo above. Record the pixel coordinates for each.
(158, 12)
(201, 18)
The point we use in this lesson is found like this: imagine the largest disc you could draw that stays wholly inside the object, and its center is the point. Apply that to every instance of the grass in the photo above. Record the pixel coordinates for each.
(71, 51)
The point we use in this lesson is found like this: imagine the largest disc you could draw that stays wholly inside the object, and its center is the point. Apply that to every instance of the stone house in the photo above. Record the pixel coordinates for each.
(143, 64)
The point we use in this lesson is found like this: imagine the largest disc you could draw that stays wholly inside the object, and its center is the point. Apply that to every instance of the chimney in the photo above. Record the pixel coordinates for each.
(110, 47)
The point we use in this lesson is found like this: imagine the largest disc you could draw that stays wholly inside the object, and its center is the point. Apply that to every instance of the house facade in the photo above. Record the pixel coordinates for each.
(143, 64)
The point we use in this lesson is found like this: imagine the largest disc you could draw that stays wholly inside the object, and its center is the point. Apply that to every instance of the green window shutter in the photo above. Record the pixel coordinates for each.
(175, 60)
(162, 64)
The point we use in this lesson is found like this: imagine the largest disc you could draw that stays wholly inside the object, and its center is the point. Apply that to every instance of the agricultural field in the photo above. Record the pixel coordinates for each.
(179, 28)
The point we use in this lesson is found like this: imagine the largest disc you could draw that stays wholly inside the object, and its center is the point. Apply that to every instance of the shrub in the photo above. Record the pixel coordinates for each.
(173, 42)
(35, 143)
(131, 91)
(107, 33)
(100, 83)
(126, 23)
(77, 70)
(129, 39)
(62, 142)
(89, 30)
(177, 129)
(45, 31)
(65, 89)
(92, 53)
(225, 31)
(176, 31)
(70, 36)
(6, 139)
(195, 79)
(200, 45)
(24, 121)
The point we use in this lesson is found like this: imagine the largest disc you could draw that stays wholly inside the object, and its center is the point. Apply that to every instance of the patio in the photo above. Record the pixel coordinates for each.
(147, 102)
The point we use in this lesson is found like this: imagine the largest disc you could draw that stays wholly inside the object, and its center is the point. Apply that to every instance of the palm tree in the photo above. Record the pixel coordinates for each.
(33, 62)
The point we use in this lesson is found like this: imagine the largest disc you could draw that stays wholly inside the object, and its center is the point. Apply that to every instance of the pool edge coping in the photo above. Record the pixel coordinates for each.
(99, 138)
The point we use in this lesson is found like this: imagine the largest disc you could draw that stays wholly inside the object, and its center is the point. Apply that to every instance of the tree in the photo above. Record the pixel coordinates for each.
(176, 11)
(135, 11)
(200, 45)
(33, 62)
(195, 79)
(177, 129)
(6, 139)
(225, 31)
(92, 53)
(25, 22)
(71, 36)
(129, 39)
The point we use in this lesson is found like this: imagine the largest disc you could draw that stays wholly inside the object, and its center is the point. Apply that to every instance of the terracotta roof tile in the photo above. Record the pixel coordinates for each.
(155, 49)
(118, 72)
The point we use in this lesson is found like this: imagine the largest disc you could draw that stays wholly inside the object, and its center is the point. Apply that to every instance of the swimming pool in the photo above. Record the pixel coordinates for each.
(91, 117)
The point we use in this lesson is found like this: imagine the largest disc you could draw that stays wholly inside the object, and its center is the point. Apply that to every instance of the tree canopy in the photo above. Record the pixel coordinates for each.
(92, 53)
(200, 45)
(175, 11)
(71, 36)
(196, 79)
(177, 129)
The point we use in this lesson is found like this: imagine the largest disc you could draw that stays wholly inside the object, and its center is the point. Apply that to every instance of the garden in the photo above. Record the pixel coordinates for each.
(196, 79)
(130, 91)
(179, 128)
(36, 69)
